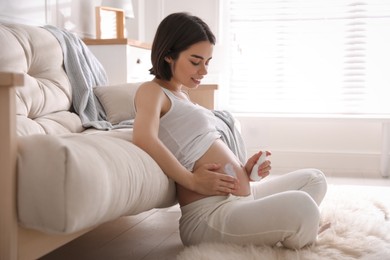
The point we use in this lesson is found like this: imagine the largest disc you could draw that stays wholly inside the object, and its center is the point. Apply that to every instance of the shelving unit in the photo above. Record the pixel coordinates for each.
(127, 60)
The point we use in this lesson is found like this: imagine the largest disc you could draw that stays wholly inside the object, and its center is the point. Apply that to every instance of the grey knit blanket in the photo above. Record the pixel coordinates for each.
(230, 134)
(84, 72)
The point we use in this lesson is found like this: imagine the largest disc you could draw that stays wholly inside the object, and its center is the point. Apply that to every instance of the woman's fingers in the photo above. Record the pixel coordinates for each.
(264, 169)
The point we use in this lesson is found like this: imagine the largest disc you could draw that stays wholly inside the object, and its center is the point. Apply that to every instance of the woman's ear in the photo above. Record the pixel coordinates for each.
(168, 59)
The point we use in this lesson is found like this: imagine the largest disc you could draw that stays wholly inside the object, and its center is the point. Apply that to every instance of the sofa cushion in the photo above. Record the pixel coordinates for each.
(62, 122)
(117, 101)
(122, 133)
(72, 182)
(36, 53)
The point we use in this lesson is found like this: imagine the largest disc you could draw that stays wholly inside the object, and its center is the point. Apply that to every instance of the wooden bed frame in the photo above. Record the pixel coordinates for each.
(17, 242)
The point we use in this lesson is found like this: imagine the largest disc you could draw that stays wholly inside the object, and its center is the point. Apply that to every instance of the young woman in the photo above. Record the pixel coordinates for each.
(182, 138)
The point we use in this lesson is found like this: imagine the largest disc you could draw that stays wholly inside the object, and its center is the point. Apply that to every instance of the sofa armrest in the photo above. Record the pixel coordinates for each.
(8, 153)
(11, 79)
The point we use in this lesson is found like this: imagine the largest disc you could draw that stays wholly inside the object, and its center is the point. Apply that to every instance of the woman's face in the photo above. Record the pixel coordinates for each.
(191, 65)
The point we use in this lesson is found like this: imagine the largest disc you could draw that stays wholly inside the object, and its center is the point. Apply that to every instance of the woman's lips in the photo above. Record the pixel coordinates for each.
(197, 81)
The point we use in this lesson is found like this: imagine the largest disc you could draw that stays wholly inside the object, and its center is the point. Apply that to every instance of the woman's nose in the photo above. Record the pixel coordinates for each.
(203, 70)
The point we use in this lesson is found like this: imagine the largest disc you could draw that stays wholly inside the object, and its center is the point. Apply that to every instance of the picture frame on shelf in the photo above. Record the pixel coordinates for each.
(110, 23)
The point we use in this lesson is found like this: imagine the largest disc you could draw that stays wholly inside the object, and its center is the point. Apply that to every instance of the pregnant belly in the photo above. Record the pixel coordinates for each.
(221, 154)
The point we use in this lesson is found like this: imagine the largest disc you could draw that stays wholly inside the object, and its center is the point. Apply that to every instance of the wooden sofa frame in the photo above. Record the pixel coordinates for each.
(17, 242)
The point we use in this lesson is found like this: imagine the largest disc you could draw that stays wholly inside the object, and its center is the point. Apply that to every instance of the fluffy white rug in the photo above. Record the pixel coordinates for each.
(360, 229)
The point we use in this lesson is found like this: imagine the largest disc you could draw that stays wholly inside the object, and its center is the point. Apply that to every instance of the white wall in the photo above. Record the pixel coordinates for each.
(338, 146)
(74, 15)
(156, 10)
(23, 11)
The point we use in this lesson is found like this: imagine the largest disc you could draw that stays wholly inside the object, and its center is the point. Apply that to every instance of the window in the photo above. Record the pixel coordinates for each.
(309, 56)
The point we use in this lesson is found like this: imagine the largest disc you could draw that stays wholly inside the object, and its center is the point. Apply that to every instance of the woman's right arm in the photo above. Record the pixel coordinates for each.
(151, 102)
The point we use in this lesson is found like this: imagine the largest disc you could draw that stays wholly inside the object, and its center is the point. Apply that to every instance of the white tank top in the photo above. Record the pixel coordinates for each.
(187, 130)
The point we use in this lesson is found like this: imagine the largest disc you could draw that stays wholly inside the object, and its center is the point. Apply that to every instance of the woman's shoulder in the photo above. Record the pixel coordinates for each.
(149, 89)
(149, 85)
(151, 92)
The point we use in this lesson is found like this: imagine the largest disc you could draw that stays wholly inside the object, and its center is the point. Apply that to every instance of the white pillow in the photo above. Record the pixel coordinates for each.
(117, 101)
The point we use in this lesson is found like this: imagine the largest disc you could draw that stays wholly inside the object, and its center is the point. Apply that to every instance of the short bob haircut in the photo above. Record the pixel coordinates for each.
(176, 33)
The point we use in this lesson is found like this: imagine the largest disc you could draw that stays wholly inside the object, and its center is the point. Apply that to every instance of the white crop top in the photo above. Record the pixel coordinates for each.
(187, 130)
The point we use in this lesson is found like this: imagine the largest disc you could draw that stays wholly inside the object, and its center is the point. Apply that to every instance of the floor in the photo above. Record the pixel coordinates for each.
(150, 235)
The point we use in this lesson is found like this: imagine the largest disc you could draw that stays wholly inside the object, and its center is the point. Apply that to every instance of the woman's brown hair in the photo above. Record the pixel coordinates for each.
(176, 33)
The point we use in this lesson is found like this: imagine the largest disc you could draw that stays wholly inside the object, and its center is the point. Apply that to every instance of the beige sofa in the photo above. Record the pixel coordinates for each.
(59, 179)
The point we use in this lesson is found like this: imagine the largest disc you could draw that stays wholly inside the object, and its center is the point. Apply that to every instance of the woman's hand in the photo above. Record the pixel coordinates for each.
(207, 181)
(264, 168)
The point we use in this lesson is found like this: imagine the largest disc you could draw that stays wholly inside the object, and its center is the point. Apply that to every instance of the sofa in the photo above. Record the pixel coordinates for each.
(60, 177)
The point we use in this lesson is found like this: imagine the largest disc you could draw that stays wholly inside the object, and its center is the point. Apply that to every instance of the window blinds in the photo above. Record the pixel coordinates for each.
(309, 56)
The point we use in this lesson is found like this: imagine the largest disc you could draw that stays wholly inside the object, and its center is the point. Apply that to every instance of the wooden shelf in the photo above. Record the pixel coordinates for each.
(130, 42)
(133, 64)
(204, 95)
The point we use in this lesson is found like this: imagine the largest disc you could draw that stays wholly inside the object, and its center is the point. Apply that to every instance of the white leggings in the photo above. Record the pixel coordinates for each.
(281, 209)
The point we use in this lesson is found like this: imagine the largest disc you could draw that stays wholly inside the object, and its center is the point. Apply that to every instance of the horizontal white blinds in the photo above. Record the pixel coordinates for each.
(310, 56)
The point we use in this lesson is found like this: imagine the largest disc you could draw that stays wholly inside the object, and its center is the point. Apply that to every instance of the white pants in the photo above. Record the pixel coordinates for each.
(280, 209)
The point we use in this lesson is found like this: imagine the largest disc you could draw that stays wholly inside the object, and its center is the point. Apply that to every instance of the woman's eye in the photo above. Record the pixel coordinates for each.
(195, 63)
